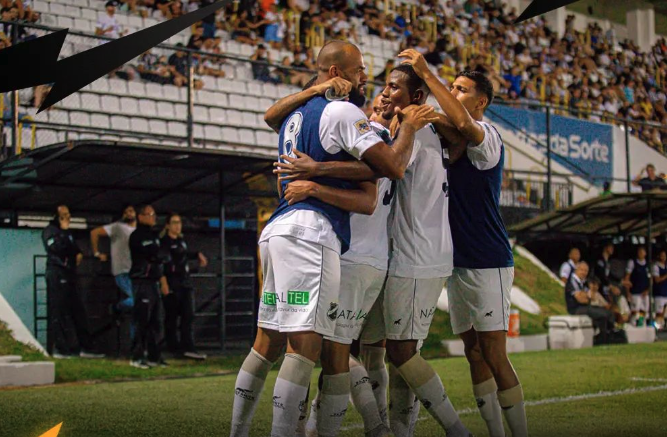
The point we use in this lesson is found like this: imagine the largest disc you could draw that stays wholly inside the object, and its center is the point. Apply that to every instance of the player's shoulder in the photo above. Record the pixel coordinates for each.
(343, 109)
(428, 134)
(490, 129)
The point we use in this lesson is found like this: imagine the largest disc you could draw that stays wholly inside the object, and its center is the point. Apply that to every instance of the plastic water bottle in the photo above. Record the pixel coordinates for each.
(515, 324)
(330, 96)
(640, 320)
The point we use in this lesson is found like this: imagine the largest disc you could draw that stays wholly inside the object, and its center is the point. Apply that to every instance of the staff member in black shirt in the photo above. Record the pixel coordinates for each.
(64, 304)
(147, 281)
(651, 181)
(578, 302)
(179, 304)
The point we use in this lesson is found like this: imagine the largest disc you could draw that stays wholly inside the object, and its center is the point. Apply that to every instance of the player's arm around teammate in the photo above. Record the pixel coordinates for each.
(479, 289)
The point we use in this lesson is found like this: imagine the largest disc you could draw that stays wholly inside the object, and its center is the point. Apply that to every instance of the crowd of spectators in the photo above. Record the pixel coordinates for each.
(591, 75)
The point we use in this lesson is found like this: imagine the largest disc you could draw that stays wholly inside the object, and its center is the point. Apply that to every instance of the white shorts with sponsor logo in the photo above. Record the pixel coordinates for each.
(301, 285)
(660, 303)
(360, 286)
(409, 305)
(480, 299)
(640, 302)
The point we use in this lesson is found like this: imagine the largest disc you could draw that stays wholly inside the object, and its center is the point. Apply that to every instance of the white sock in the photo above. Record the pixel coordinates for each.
(362, 396)
(401, 404)
(334, 398)
(489, 408)
(303, 416)
(511, 401)
(290, 390)
(426, 384)
(249, 385)
(414, 417)
(373, 360)
(311, 426)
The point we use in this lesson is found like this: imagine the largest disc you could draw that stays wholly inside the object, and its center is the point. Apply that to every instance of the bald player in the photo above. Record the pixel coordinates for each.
(301, 245)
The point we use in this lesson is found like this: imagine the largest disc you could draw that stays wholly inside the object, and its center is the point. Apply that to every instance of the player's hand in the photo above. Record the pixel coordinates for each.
(79, 258)
(102, 257)
(164, 289)
(414, 58)
(338, 85)
(416, 116)
(302, 168)
(203, 261)
(298, 191)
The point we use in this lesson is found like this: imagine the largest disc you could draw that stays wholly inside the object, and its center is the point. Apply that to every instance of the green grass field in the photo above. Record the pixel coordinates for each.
(634, 378)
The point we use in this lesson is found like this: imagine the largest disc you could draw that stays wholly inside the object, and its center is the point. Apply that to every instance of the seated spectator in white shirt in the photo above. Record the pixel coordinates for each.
(568, 266)
(107, 24)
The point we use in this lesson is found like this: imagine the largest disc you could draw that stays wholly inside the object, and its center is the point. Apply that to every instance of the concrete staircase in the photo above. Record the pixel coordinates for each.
(16, 373)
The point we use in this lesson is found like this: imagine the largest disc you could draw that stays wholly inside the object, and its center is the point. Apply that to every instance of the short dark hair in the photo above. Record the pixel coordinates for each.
(593, 280)
(170, 216)
(142, 208)
(482, 83)
(414, 81)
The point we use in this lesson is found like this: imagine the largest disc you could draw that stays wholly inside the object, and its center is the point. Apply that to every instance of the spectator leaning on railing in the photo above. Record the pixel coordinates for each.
(651, 181)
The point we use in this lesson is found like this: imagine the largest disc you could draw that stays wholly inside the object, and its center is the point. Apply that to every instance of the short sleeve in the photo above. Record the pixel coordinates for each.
(486, 155)
(416, 146)
(343, 127)
(630, 267)
(109, 229)
(656, 270)
(565, 270)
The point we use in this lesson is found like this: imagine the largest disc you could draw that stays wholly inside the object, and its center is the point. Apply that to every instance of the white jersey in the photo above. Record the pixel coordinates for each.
(370, 242)
(420, 237)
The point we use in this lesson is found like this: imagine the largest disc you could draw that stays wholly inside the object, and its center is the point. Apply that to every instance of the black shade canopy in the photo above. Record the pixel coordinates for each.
(102, 177)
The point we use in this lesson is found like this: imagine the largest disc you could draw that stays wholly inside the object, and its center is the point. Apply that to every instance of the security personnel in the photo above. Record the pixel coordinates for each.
(147, 281)
(65, 307)
(178, 304)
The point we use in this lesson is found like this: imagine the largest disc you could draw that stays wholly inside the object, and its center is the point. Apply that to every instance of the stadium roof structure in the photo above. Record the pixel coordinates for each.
(98, 177)
(605, 216)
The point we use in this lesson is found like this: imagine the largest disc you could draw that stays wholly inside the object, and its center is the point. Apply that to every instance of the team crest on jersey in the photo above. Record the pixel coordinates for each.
(363, 126)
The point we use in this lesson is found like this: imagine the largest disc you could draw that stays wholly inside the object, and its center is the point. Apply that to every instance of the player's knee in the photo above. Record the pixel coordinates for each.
(306, 344)
(335, 358)
(400, 352)
(269, 344)
(474, 354)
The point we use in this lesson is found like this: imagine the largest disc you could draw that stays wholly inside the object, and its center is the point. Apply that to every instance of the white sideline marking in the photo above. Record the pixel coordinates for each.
(649, 379)
(560, 400)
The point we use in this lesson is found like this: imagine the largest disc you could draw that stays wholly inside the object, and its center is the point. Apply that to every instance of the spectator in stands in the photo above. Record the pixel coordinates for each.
(11, 13)
(568, 266)
(260, 68)
(578, 301)
(636, 282)
(660, 288)
(154, 68)
(148, 281)
(107, 25)
(273, 27)
(242, 29)
(179, 303)
(65, 307)
(197, 38)
(119, 233)
(212, 65)
(178, 65)
(651, 181)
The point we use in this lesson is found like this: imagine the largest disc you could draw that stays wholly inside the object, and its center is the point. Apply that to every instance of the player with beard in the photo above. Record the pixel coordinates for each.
(479, 289)
(301, 245)
(421, 257)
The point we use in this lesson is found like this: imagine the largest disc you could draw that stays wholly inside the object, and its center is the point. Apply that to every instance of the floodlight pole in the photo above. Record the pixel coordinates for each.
(627, 155)
(190, 123)
(223, 293)
(548, 194)
(649, 261)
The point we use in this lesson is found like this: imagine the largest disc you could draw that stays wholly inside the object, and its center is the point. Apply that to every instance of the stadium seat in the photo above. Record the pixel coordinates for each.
(48, 20)
(205, 98)
(165, 110)
(244, 72)
(270, 91)
(236, 101)
(90, 101)
(154, 90)
(251, 103)
(212, 132)
(200, 114)
(226, 85)
(130, 105)
(135, 21)
(57, 116)
(149, 22)
(72, 11)
(230, 73)
(123, 20)
(79, 118)
(83, 25)
(147, 107)
(136, 89)
(218, 115)
(230, 135)
(110, 104)
(249, 119)
(247, 136)
(177, 129)
(121, 123)
(255, 89)
(91, 15)
(181, 110)
(171, 92)
(234, 117)
(71, 102)
(118, 86)
(100, 85)
(100, 121)
(137, 124)
(264, 104)
(264, 139)
(65, 22)
(233, 48)
(40, 6)
(80, 3)
(56, 8)
(45, 137)
(157, 127)
(198, 131)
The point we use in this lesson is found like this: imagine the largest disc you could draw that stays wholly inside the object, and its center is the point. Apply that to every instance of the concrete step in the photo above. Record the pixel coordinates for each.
(524, 343)
(27, 373)
(10, 358)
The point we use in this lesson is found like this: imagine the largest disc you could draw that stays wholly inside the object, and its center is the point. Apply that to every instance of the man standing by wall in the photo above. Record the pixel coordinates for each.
(65, 307)
(119, 232)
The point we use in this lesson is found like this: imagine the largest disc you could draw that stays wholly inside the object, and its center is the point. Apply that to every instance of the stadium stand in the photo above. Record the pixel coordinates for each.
(587, 74)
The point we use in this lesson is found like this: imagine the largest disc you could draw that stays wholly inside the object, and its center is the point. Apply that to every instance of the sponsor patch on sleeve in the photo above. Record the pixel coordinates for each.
(362, 126)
